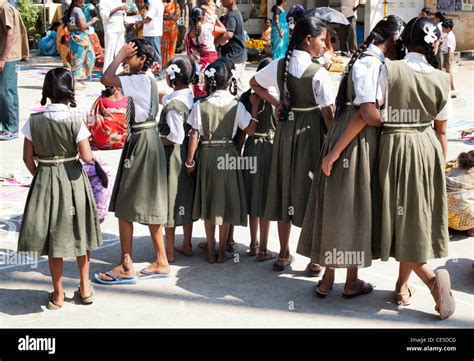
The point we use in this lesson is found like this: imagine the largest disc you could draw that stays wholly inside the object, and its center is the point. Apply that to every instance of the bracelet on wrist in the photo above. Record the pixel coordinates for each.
(190, 166)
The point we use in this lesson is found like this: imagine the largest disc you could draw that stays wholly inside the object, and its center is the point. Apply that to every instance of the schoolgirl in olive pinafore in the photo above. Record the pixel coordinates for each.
(220, 193)
(259, 146)
(414, 225)
(181, 186)
(140, 191)
(342, 207)
(296, 147)
(60, 217)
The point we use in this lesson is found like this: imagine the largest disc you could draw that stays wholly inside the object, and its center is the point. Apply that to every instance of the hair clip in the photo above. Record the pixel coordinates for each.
(172, 70)
(430, 36)
(210, 72)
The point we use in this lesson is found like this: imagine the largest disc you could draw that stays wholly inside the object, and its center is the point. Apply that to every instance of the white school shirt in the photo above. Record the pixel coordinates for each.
(220, 98)
(449, 42)
(138, 87)
(155, 13)
(418, 62)
(174, 118)
(323, 90)
(58, 112)
(206, 38)
(365, 74)
(440, 28)
(112, 23)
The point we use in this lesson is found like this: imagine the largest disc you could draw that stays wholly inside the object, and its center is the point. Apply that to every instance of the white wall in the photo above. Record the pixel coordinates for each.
(406, 9)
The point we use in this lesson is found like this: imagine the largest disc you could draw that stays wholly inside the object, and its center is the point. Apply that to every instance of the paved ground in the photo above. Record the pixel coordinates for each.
(235, 294)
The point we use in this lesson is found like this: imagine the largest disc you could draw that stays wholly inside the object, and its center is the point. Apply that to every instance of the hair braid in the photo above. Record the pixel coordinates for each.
(430, 55)
(285, 96)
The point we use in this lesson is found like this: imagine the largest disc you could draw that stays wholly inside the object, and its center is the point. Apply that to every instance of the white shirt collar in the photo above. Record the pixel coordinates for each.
(185, 95)
(377, 51)
(57, 107)
(417, 61)
(301, 55)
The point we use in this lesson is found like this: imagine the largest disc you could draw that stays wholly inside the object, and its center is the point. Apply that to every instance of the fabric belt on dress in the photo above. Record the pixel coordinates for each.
(57, 160)
(217, 143)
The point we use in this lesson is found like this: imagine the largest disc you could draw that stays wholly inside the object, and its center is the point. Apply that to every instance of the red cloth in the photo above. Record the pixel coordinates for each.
(203, 58)
(107, 122)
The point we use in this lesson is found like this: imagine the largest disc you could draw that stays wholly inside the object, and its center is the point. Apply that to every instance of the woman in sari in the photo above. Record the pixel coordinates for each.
(81, 49)
(200, 45)
(170, 31)
(107, 120)
(280, 32)
(90, 11)
(62, 45)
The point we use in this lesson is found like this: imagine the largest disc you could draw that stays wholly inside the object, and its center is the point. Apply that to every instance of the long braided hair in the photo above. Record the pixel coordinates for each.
(414, 36)
(305, 26)
(383, 30)
(196, 16)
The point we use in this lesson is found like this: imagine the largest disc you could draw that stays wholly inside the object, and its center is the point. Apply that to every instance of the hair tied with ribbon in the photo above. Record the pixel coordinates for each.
(430, 36)
(172, 70)
(210, 72)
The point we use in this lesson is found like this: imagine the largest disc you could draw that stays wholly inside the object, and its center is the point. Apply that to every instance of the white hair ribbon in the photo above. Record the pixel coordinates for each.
(172, 70)
(210, 72)
(430, 36)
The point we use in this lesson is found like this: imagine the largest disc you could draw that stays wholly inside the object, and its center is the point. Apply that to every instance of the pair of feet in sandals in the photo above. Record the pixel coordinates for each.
(56, 300)
(125, 273)
(351, 290)
(440, 288)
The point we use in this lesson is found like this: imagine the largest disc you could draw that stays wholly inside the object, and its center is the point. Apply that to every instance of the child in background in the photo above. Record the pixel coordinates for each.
(181, 72)
(142, 9)
(448, 47)
(60, 217)
(220, 194)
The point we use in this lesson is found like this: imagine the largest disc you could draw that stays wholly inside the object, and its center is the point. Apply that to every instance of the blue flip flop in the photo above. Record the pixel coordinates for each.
(148, 275)
(116, 280)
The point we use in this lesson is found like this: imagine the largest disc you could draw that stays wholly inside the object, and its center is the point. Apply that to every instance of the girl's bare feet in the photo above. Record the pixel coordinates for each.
(170, 256)
(222, 258)
(211, 256)
(184, 249)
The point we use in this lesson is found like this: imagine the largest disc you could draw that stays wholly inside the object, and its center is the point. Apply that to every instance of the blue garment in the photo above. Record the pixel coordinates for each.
(279, 45)
(47, 44)
(9, 111)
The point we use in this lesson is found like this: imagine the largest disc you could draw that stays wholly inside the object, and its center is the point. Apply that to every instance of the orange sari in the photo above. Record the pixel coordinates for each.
(170, 31)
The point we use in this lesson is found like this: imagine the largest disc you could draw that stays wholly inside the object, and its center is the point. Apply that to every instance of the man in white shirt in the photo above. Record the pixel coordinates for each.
(347, 34)
(112, 13)
(153, 29)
